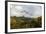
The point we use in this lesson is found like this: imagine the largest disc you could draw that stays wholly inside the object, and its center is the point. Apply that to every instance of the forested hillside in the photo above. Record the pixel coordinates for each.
(25, 22)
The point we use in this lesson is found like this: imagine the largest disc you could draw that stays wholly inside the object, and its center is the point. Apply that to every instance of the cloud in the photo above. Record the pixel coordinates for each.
(26, 10)
(16, 11)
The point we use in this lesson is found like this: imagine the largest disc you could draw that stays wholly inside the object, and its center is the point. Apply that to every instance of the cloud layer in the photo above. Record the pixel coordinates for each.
(25, 10)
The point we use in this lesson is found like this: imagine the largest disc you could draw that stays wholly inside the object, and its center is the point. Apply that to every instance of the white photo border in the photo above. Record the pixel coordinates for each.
(7, 12)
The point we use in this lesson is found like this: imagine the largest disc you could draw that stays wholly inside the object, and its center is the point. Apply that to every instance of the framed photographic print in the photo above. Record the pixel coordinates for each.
(25, 16)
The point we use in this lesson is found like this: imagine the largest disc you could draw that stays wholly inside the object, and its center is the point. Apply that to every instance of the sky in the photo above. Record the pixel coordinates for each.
(25, 10)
